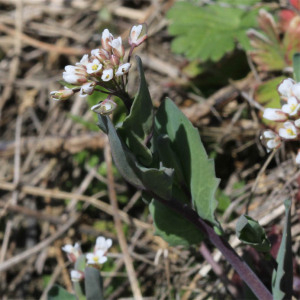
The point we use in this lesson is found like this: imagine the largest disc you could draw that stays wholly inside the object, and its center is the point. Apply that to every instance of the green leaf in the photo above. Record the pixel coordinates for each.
(296, 66)
(197, 169)
(138, 125)
(198, 29)
(78, 286)
(172, 227)
(267, 95)
(169, 157)
(93, 284)
(251, 233)
(59, 293)
(282, 278)
(156, 180)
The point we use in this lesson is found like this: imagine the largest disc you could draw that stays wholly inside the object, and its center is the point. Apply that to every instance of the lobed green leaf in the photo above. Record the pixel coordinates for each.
(198, 29)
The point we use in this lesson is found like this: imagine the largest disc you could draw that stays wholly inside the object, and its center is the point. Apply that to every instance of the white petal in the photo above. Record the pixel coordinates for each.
(269, 134)
(285, 88)
(272, 144)
(107, 75)
(274, 114)
(296, 90)
(298, 158)
(297, 123)
(67, 248)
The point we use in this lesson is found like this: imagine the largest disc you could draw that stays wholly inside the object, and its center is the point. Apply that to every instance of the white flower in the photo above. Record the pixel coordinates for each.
(289, 131)
(76, 276)
(87, 89)
(102, 244)
(61, 94)
(270, 139)
(298, 157)
(107, 37)
(285, 87)
(138, 34)
(117, 47)
(291, 107)
(107, 74)
(75, 74)
(73, 252)
(94, 67)
(104, 108)
(123, 69)
(274, 114)
(96, 258)
(296, 90)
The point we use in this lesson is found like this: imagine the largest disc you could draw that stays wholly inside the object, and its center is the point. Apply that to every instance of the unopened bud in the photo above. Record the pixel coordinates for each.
(76, 276)
(104, 108)
(61, 94)
(107, 37)
(115, 60)
(138, 34)
(117, 47)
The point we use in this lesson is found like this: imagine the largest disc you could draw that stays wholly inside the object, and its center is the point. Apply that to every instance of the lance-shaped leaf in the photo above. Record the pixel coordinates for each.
(251, 233)
(197, 169)
(57, 293)
(93, 284)
(282, 278)
(138, 125)
(78, 286)
(156, 180)
(296, 66)
(173, 227)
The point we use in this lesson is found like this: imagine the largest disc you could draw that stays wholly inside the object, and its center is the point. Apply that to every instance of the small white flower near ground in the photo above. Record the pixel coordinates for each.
(289, 131)
(285, 87)
(96, 258)
(292, 106)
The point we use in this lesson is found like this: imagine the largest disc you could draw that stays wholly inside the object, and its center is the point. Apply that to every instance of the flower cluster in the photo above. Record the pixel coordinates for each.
(289, 115)
(104, 70)
(96, 258)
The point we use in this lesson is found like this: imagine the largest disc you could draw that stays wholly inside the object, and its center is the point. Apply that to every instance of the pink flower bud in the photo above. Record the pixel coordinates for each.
(115, 60)
(137, 35)
(107, 37)
(117, 47)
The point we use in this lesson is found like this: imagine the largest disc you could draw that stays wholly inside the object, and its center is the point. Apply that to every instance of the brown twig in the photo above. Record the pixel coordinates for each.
(27, 189)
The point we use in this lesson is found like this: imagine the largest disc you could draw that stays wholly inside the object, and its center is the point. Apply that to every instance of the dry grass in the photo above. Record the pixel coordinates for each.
(47, 195)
